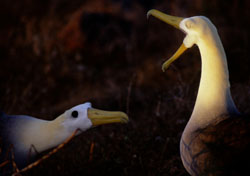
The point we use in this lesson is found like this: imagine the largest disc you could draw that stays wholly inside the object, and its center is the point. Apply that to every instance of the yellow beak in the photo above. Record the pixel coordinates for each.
(174, 21)
(100, 117)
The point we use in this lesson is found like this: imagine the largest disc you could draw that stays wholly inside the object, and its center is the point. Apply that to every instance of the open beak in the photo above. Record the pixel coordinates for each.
(100, 117)
(173, 21)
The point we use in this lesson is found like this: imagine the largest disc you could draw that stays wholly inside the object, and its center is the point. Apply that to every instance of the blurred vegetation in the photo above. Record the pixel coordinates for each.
(55, 54)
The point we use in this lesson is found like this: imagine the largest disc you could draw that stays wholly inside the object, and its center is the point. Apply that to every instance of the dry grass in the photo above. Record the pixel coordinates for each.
(57, 54)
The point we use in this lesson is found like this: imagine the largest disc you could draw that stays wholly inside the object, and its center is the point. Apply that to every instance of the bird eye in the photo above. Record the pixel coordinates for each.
(74, 114)
(189, 24)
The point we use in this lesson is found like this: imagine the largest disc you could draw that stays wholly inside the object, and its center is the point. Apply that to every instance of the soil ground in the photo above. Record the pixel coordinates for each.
(55, 54)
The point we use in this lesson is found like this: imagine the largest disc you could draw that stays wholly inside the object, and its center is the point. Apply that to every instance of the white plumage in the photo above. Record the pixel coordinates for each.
(216, 140)
(30, 135)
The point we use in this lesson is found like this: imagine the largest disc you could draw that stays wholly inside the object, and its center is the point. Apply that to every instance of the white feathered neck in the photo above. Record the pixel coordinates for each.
(214, 97)
(41, 134)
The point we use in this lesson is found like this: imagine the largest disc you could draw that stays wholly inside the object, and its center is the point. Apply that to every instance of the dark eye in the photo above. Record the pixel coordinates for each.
(74, 114)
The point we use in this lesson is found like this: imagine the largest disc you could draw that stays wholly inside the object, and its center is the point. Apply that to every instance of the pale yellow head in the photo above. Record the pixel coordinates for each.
(195, 29)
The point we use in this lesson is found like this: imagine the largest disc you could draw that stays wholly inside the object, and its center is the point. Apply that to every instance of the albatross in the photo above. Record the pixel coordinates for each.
(216, 139)
(25, 136)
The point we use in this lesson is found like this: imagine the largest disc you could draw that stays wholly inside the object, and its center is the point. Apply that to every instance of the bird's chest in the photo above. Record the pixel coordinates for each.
(188, 157)
(195, 155)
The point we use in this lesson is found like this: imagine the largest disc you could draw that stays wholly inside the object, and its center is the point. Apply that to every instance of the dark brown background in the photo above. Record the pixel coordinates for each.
(55, 54)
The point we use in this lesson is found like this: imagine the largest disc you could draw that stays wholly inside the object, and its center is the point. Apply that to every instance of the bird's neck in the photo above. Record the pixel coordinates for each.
(40, 135)
(214, 97)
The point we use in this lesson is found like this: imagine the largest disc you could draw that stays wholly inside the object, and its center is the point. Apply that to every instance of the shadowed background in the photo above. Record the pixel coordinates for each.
(55, 54)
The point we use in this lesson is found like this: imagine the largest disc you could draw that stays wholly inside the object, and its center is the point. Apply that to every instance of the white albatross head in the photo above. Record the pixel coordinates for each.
(83, 117)
(196, 28)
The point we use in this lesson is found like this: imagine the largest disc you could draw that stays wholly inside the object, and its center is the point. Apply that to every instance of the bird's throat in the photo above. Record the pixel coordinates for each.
(214, 96)
(40, 134)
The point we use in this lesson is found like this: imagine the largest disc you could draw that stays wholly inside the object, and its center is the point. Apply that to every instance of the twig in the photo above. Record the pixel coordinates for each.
(4, 163)
(129, 92)
(91, 150)
(6, 160)
(46, 156)
(13, 160)
(158, 108)
(30, 151)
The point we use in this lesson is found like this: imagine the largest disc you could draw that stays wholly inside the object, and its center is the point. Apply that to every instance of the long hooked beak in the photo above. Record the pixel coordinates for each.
(100, 117)
(173, 21)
